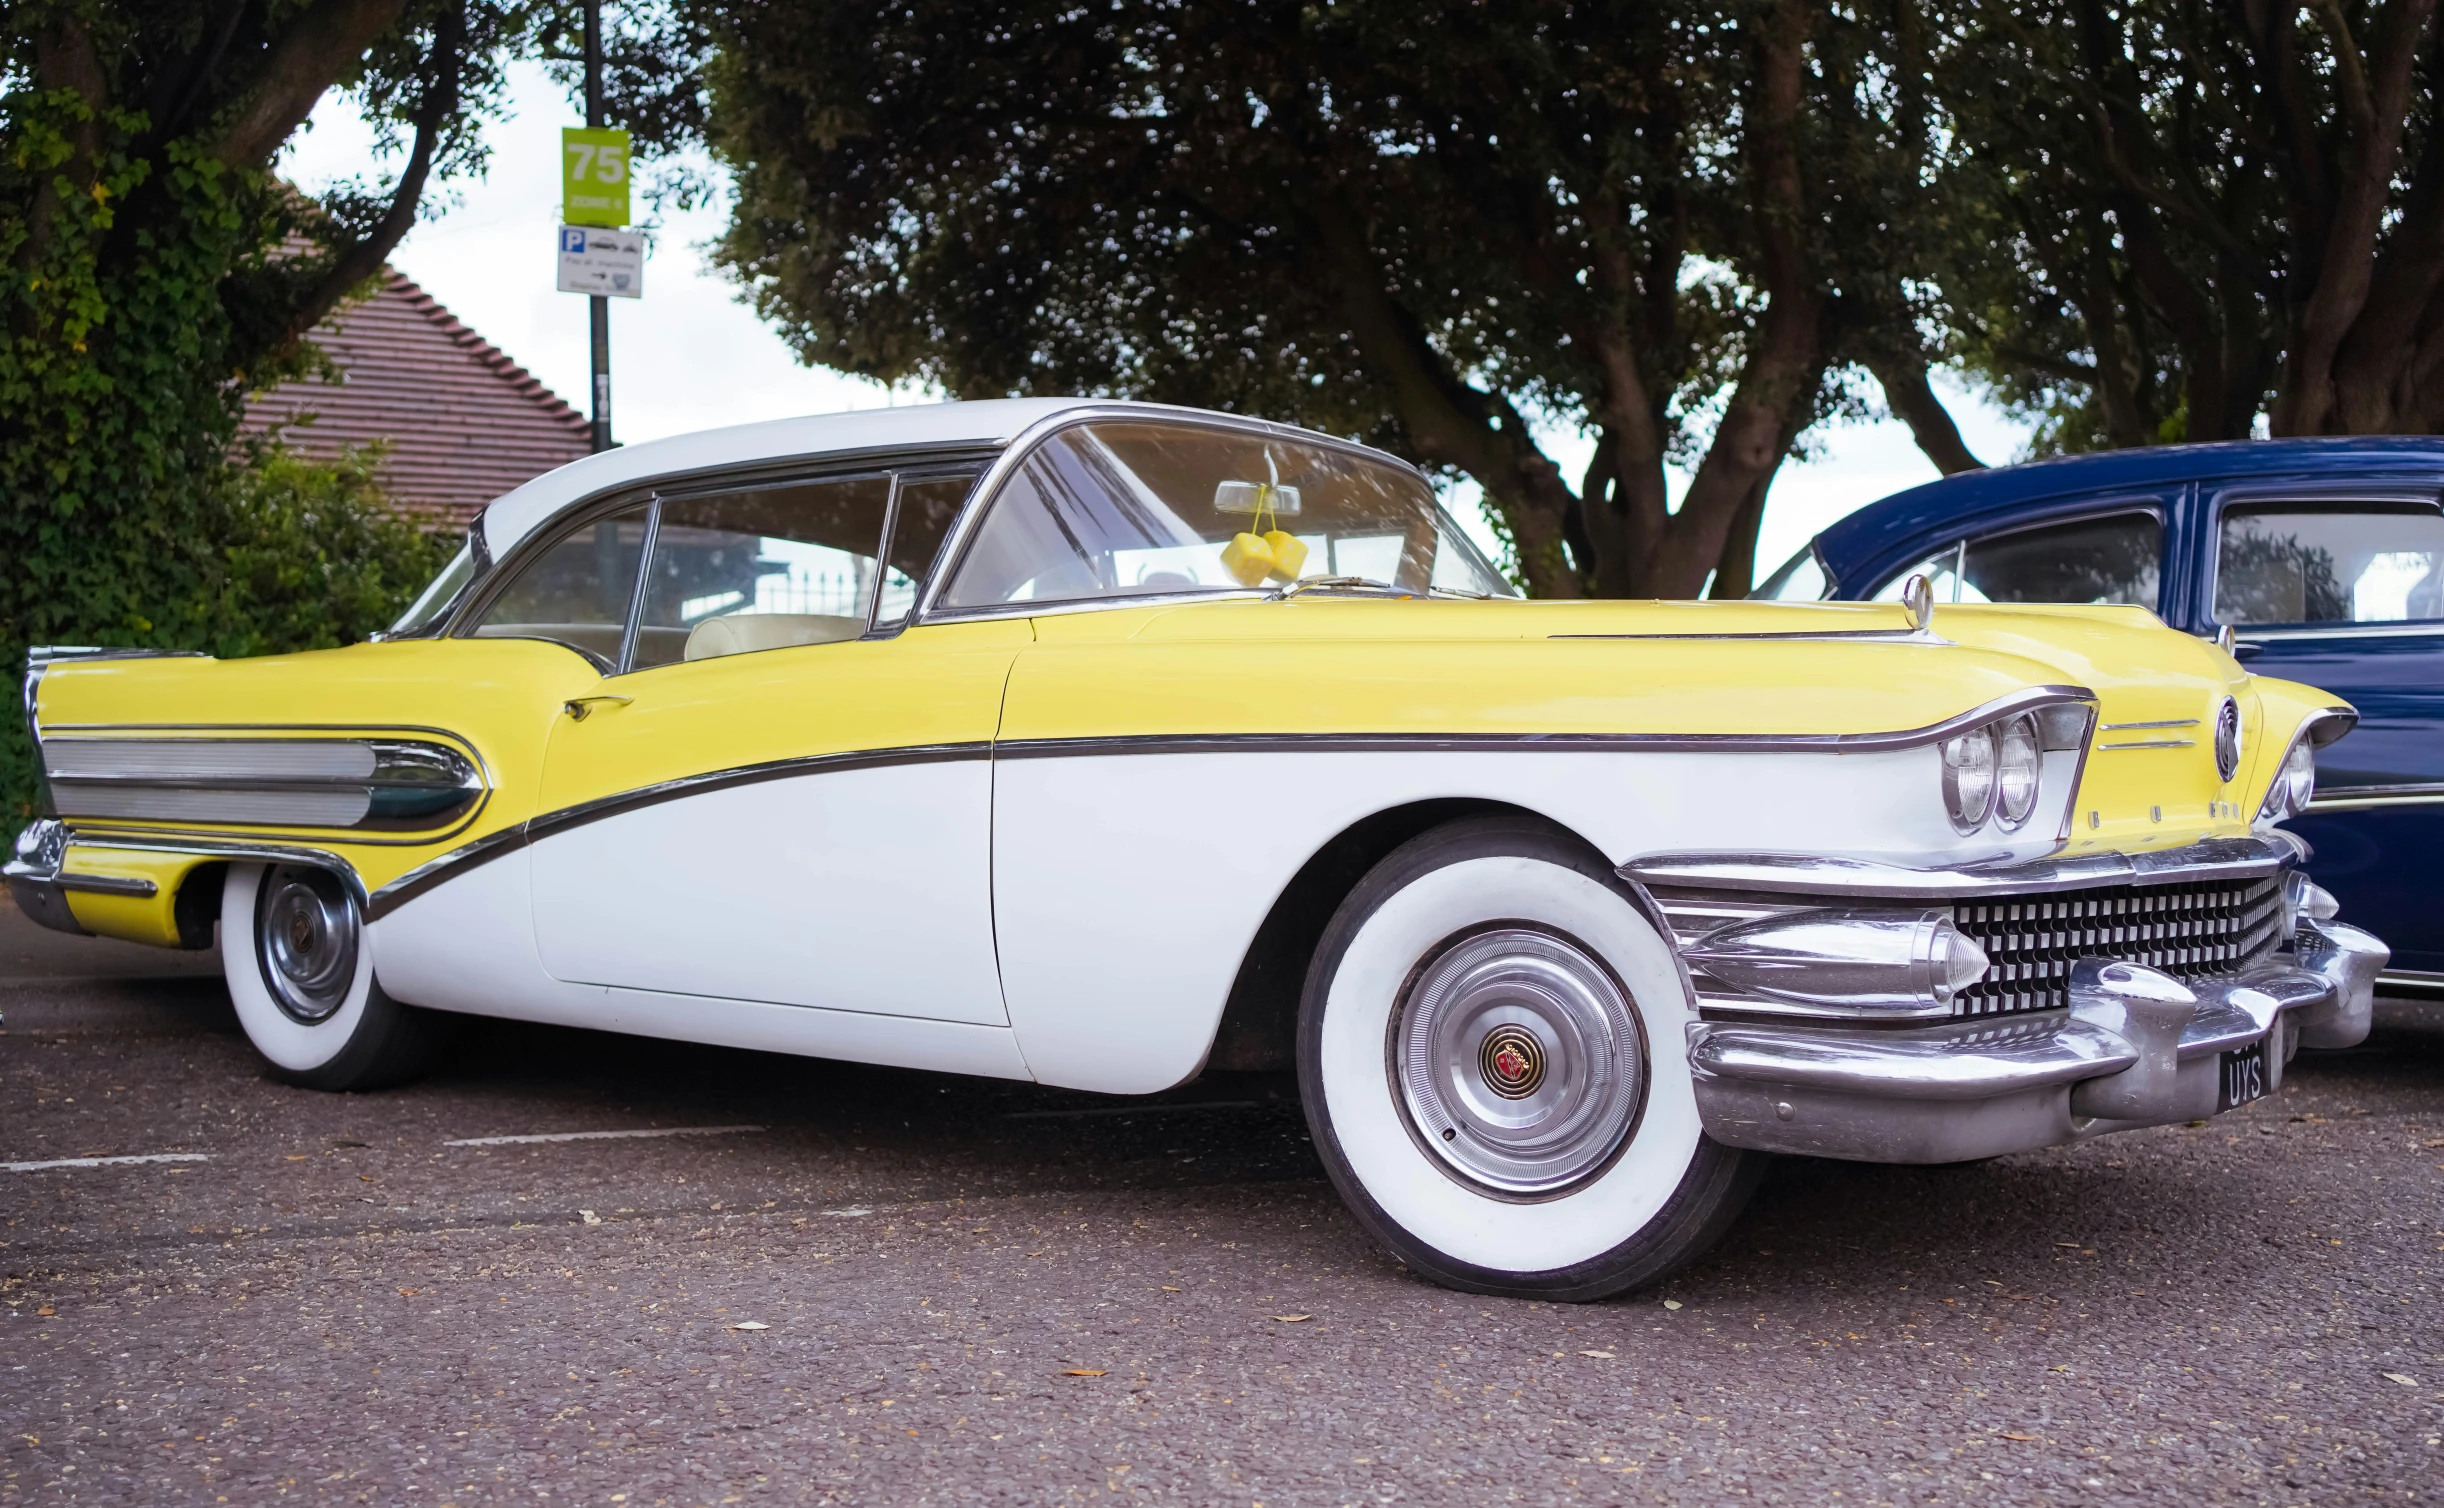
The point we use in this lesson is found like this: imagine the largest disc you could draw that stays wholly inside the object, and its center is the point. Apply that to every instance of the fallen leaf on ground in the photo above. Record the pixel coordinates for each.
(1292, 1319)
(45, 1309)
(1167, 1288)
(750, 1325)
(367, 1178)
(1598, 1355)
(2403, 1378)
(409, 1293)
(590, 1217)
(1671, 1303)
(1084, 1372)
(2071, 1244)
(297, 1157)
(2009, 1435)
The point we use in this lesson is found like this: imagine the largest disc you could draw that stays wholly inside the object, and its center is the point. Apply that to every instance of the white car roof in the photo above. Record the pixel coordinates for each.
(996, 421)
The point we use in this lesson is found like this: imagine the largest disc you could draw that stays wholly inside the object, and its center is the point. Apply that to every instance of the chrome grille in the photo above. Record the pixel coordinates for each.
(2185, 930)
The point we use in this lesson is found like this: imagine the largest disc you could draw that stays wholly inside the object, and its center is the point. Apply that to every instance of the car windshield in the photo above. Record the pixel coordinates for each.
(437, 598)
(1139, 508)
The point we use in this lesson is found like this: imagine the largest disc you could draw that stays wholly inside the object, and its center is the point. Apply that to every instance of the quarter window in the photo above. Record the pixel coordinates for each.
(2114, 559)
(578, 591)
(2307, 563)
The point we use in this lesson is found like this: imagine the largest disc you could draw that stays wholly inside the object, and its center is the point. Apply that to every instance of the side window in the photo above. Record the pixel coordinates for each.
(927, 506)
(762, 568)
(2117, 558)
(2305, 562)
(576, 592)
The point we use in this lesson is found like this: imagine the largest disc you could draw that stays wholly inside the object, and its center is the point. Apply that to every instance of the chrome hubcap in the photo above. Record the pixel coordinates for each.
(1518, 1059)
(305, 934)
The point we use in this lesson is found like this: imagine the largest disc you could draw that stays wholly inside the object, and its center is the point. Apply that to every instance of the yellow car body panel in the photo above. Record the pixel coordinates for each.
(1314, 664)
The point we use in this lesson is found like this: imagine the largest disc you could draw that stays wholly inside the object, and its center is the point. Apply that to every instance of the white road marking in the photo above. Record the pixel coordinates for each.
(103, 1162)
(520, 1141)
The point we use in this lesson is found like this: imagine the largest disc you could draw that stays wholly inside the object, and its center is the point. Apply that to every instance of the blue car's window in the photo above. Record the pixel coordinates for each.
(2307, 563)
(2117, 558)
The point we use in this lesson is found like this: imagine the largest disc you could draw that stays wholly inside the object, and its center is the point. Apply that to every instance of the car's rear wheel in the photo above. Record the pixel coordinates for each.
(301, 976)
(1491, 1059)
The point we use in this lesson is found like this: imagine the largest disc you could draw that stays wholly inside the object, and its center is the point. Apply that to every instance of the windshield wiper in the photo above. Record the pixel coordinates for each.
(1337, 583)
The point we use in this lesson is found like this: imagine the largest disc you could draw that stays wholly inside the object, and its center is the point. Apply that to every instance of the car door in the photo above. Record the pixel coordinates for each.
(782, 794)
(2343, 588)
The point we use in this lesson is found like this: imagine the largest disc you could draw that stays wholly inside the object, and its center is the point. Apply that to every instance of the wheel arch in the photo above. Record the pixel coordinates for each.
(1259, 1026)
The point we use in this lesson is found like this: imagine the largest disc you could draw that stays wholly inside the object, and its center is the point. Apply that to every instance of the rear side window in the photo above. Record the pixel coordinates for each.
(2300, 563)
(2116, 558)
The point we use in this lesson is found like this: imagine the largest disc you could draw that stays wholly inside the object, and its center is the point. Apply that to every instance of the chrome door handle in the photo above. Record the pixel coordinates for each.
(579, 708)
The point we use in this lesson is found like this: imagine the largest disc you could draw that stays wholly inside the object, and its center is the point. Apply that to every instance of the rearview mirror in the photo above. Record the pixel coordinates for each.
(1255, 497)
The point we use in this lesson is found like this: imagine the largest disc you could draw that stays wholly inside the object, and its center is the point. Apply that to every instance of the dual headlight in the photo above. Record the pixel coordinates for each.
(1992, 774)
(2293, 784)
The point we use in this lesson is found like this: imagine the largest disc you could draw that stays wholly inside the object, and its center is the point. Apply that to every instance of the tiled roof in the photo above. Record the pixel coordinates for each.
(463, 422)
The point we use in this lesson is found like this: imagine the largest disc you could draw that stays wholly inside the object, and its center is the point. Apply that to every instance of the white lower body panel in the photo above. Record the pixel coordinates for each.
(1130, 885)
(468, 945)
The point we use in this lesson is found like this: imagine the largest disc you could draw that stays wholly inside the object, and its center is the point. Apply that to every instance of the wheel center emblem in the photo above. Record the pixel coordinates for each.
(1512, 1061)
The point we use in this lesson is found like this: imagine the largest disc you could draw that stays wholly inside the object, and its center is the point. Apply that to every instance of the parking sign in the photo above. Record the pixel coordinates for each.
(602, 262)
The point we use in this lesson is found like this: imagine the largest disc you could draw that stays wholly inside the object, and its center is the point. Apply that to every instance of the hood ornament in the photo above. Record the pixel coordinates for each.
(1918, 600)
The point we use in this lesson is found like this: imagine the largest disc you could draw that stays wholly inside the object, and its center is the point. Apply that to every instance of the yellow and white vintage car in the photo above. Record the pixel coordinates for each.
(1100, 744)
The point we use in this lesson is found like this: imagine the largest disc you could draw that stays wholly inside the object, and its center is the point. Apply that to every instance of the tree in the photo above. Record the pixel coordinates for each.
(2198, 215)
(156, 268)
(1672, 224)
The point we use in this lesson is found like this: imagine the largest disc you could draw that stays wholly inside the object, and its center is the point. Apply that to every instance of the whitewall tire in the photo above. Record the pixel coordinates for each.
(1491, 1059)
(294, 952)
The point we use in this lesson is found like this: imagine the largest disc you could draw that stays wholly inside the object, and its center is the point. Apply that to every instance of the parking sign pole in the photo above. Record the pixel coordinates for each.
(598, 308)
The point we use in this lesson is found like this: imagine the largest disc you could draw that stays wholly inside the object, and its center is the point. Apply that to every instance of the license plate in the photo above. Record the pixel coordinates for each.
(2244, 1076)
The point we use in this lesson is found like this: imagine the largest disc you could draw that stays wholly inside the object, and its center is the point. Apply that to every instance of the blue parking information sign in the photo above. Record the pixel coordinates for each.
(602, 262)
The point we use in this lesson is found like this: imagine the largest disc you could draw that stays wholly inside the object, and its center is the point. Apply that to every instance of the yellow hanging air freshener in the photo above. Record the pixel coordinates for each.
(1249, 559)
(1289, 554)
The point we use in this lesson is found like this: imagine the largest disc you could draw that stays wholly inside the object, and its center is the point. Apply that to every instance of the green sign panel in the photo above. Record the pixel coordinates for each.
(593, 177)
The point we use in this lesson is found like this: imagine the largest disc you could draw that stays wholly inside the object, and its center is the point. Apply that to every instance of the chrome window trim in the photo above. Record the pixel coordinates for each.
(2148, 504)
(812, 466)
(1027, 441)
(2332, 492)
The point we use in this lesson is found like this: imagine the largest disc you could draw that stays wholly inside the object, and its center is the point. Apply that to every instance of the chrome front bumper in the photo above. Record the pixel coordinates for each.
(2135, 1048)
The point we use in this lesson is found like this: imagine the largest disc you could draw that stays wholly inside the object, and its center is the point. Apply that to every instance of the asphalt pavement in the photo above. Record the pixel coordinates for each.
(577, 1268)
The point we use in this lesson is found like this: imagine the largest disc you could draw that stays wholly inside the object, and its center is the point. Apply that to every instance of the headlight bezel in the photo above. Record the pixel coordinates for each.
(1968, 792)
(2294, 784)
(2024, 732)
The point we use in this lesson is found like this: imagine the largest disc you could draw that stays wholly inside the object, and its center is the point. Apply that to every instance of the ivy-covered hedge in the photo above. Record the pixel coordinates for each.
(127, 518)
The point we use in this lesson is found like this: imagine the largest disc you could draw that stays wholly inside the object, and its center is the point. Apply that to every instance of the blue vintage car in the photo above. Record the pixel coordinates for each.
(2324, 557)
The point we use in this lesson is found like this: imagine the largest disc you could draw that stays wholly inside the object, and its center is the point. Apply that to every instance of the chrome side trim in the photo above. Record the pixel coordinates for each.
(216, 847)
(107, 884)
(2153, 743)
(2354, 798)
(2170, 722)
(1653, 743)
(1809, 874)
(2355, 631)
(382, 784)
(1801, 636)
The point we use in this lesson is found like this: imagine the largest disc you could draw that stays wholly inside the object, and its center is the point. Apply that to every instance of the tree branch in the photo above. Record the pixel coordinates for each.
(1912, 400)
(317, 49)
(353, 264)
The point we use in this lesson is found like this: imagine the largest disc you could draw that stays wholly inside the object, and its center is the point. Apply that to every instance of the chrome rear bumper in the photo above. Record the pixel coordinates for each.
(2135, 1048)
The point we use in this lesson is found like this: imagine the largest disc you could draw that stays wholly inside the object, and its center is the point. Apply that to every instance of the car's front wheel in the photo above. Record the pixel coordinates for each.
(1491, 1059)
(300, 973)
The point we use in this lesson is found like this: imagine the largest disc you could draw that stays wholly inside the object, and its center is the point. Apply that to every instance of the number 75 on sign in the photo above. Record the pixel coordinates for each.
(593, 177)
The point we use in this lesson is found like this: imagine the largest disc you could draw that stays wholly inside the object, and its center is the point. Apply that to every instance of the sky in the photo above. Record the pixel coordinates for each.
(689, 355)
